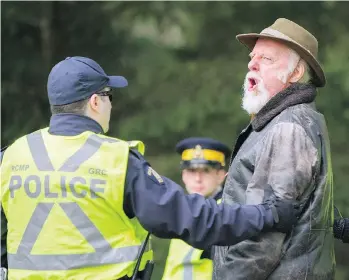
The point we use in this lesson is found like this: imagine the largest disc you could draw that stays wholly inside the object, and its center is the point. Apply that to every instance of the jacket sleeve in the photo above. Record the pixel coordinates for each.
(164, 210)
(3, 228)
(287, 162)
(3, 239)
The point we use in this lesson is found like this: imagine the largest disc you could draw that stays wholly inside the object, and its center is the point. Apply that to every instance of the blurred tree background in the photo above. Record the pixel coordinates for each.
(185, 70)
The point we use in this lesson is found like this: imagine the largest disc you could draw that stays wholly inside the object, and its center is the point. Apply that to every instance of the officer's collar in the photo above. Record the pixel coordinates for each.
(72, 124)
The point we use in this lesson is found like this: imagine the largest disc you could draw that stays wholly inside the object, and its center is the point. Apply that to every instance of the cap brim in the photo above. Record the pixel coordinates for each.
(250, 39)
(117, 82)
(200, 163)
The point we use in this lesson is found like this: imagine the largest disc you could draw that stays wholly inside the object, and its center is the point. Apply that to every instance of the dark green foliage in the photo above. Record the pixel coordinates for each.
(185, 70)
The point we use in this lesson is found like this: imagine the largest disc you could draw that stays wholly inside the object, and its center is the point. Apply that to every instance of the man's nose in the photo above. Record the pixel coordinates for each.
(253, 65)
(198, 176)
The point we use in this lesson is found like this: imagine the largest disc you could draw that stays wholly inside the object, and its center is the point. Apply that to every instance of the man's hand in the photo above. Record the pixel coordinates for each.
(340, 226)
(285, 212)
(341, 229)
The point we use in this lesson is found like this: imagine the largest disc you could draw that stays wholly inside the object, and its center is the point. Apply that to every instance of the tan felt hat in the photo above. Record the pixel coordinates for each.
(296, 38)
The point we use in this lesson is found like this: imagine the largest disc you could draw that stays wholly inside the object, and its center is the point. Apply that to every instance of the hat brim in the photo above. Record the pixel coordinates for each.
(319, 79)
(200, 163)
(117, 82)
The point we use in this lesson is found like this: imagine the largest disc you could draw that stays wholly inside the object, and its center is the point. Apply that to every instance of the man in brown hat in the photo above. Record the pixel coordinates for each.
(285, 146)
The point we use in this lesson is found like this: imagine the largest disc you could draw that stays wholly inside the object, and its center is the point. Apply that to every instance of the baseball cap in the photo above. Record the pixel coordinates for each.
(77, 78)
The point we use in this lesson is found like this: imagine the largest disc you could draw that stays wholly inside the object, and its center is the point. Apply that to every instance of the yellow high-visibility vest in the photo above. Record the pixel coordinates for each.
(185, 263)
(63, 199)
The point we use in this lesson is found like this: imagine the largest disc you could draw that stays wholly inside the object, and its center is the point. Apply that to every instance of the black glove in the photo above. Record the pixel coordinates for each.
(341, 227)
(285, 212)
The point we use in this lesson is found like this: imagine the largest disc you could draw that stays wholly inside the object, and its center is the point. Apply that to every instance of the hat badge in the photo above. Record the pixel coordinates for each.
(198, 152)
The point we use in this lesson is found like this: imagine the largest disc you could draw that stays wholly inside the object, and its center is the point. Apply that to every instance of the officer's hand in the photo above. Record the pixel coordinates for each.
(285, 212)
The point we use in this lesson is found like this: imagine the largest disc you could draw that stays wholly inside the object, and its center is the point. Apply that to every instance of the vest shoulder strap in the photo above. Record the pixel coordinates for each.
(2, 153)
(139, 145)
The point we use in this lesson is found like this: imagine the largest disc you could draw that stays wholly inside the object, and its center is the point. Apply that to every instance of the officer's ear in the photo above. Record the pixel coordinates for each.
(184, 176)
(221, 175)
(94, 102)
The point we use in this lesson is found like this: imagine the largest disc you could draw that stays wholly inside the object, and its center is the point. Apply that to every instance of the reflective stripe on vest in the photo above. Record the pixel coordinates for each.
(185, 263)
(43, 162)
(188, 266)
(104, 253)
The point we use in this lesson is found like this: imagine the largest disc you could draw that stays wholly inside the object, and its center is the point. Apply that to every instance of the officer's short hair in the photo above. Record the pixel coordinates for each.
(78, 107)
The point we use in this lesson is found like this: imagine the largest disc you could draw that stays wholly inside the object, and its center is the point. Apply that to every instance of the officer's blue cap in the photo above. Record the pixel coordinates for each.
(198, 152)
(77, 78)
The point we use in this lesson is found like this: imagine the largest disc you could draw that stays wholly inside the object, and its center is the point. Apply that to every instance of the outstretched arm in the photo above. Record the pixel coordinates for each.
(166, 211)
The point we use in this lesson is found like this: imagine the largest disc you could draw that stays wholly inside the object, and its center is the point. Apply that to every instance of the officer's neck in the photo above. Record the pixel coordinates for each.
(214, 194)
(73, 124)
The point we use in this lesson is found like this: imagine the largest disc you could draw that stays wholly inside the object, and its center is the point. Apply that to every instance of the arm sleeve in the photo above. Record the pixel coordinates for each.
(3, 239)
(287, 163)
(3, 228)
(164, 210)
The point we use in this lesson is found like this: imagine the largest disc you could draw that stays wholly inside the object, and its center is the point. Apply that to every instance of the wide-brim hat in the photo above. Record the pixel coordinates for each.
(296, 38)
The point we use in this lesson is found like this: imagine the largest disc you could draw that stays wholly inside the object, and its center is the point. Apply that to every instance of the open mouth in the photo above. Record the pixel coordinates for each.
(252, 83)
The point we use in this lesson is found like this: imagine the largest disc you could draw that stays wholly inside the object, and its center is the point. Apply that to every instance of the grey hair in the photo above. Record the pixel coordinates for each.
(295, 59)
(306, 78)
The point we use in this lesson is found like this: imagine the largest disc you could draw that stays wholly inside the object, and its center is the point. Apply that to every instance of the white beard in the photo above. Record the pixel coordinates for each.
(254, 100)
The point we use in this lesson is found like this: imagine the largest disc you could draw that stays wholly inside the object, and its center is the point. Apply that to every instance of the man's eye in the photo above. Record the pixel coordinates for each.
(267, 58)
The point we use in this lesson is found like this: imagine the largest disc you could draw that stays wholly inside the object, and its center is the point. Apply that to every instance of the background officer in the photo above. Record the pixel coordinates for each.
(203, 172)
(79, 204)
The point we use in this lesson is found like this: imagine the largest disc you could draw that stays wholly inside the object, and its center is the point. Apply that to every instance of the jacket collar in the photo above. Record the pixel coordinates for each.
(295, 94)
(217, 193)
(72, 124)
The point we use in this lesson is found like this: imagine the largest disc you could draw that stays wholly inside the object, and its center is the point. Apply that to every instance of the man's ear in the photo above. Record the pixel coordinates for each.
(93, 101)
(221, 175)
(297, 73)
(184, 177)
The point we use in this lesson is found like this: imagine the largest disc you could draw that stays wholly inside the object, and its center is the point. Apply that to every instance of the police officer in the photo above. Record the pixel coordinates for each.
(78, 204)
(203, 172)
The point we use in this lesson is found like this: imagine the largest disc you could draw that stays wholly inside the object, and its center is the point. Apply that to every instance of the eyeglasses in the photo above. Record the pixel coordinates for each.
(106, 92)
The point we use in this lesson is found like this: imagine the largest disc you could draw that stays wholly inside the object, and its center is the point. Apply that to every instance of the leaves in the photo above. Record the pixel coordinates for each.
(185, 68)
